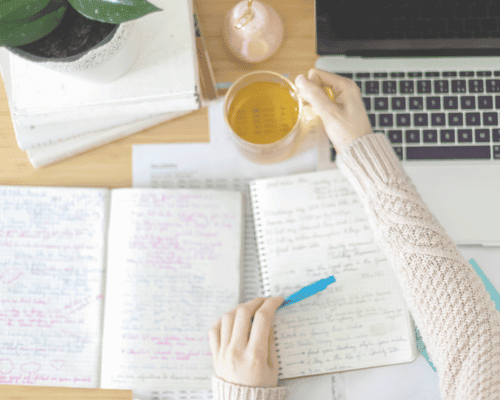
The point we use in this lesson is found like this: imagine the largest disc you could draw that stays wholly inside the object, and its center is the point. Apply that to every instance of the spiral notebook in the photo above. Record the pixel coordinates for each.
(308, 227)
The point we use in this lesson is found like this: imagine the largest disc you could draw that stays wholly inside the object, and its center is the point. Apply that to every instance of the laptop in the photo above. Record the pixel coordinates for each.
(429, 74)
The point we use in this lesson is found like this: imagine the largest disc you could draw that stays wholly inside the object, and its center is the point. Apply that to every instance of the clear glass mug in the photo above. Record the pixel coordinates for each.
(286, 146)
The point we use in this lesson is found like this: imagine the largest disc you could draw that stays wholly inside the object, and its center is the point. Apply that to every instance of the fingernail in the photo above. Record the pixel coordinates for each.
(300, 81)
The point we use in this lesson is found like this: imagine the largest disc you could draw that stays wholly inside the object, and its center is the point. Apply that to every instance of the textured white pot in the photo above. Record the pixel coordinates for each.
(105, 62)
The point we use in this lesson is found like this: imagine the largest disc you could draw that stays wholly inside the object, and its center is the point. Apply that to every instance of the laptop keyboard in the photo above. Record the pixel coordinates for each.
(434, 115)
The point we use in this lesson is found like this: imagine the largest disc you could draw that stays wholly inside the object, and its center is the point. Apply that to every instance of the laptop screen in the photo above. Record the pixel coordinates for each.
(437, 27)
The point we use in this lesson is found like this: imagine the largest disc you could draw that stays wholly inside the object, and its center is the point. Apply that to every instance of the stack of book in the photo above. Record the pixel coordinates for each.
(56, 116)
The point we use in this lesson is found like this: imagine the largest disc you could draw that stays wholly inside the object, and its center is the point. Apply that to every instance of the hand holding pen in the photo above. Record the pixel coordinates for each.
(242, 343)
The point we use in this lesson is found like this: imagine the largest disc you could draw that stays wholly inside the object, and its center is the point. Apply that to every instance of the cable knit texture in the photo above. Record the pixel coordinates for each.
(453, 311)
(456, 317)
(223, 390)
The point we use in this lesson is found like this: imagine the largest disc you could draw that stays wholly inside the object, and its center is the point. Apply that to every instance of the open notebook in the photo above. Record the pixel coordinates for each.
(172, 259)
(310, 226)
(115, 289)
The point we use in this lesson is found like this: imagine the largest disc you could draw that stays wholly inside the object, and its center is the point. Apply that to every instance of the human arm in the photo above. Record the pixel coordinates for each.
(448, 301)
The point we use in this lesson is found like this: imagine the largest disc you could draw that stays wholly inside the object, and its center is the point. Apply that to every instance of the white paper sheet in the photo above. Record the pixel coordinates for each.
(52, 243)
(314, 387)
(412, 381)
(173, 395)
(174, 261)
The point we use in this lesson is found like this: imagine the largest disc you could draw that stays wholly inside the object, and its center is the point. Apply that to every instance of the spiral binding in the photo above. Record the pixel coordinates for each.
(264, 281)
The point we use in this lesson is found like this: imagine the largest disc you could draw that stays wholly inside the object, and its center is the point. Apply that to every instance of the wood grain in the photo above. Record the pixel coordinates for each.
(110, 165)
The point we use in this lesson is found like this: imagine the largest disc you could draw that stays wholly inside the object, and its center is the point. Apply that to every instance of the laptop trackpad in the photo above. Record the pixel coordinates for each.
(465, 199)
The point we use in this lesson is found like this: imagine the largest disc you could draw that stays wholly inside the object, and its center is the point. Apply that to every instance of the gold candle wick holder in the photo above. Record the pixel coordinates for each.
(245, 17)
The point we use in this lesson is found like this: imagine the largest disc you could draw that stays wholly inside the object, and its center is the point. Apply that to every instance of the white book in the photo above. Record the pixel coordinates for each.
(44, 155)
(163, 79)
(53, 142)
(41, 156)
(38, 135)
(47, 144)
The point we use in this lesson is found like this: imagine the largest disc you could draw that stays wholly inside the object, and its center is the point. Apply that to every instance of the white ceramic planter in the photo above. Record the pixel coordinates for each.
(106, 62)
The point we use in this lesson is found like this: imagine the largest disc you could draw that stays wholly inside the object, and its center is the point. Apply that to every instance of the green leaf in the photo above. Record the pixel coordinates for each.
(34, 27)
(14, 10)
(113, 11)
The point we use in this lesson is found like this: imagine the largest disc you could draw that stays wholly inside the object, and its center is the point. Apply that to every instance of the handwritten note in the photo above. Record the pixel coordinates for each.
(173, 269)
(251, 278)
(52, 244)
(313, 226)
(172, 395)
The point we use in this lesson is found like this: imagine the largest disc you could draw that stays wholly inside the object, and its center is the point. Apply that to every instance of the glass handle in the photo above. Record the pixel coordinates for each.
(309, 117)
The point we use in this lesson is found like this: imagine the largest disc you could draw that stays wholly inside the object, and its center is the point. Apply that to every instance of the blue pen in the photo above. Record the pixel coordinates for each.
(307, 291)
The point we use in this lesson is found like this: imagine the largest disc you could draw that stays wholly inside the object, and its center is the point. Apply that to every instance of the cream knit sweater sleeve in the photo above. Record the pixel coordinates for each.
(453, 311)
(448, 301)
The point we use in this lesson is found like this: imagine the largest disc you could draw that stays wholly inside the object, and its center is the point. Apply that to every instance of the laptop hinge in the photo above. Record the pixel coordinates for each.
(424, 53)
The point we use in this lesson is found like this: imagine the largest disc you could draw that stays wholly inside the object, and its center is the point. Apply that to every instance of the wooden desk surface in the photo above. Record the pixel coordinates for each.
(110, 166)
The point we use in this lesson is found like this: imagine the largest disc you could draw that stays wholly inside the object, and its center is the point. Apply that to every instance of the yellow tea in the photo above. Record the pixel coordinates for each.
(263, 112)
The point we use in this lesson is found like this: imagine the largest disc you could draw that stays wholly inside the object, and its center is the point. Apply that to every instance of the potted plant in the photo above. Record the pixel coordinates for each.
(89, 39)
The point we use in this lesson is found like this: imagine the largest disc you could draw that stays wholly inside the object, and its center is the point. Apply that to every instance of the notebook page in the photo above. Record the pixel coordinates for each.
(250, 271)
(313, 226)
(172, 395)
(174, 261)
(251, 280)
(52, 243)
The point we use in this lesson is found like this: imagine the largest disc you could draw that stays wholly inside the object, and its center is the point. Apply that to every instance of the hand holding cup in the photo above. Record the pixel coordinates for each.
(343, 112)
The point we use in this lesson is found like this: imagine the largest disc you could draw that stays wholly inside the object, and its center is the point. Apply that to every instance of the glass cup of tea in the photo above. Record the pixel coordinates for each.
(266, 116)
